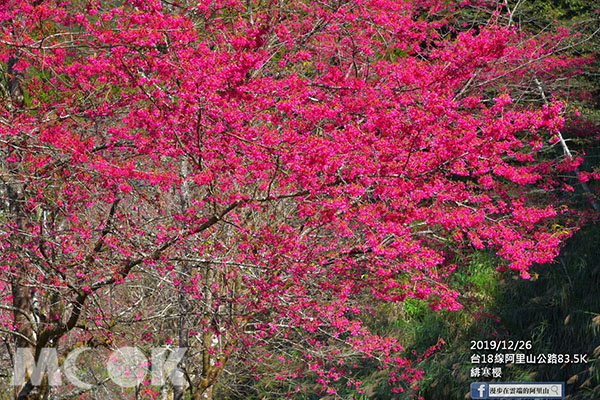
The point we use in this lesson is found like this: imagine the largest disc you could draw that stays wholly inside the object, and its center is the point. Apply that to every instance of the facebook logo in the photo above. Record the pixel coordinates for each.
(479, 390)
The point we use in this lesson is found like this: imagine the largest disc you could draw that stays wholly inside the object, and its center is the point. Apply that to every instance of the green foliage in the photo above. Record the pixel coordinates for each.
(559, 312)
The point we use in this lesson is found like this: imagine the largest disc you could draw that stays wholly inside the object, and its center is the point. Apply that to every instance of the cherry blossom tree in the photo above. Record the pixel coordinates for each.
(219, 174)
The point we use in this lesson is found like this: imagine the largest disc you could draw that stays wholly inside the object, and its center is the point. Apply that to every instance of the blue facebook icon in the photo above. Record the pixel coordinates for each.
(479, 390)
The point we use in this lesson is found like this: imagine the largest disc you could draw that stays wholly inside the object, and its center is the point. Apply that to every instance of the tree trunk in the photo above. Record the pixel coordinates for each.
(206, 394)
